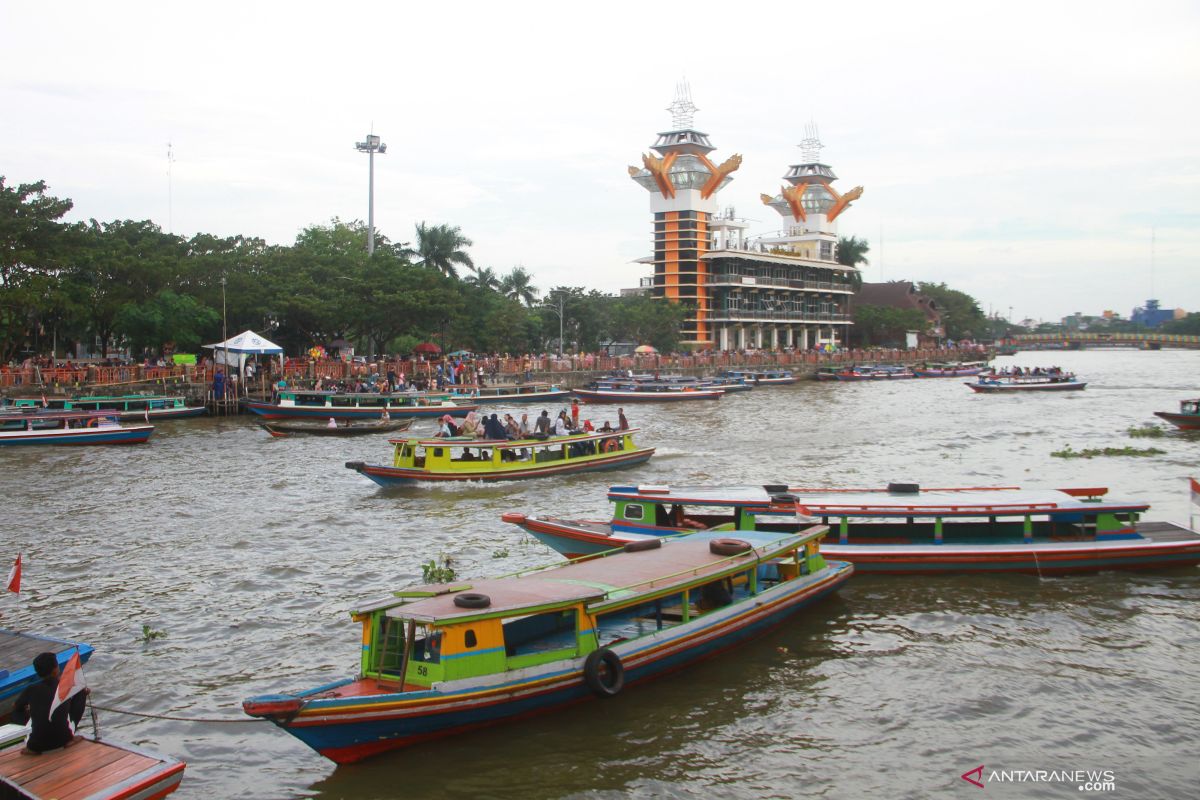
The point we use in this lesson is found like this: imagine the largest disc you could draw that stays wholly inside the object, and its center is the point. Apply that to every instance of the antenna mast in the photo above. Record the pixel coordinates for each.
(170, 190)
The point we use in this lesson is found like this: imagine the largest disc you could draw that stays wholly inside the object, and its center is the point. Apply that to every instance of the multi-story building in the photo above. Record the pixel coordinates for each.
(785, 289)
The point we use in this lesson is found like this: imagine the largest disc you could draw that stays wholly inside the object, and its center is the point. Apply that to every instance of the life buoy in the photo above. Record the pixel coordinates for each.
(729, 547)
(610, 446)
(611, 680)
(93, 422)
(472, 600)
(638, 545)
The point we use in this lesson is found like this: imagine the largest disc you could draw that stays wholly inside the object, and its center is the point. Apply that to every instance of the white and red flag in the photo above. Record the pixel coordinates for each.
(70, 683)
(13, 584)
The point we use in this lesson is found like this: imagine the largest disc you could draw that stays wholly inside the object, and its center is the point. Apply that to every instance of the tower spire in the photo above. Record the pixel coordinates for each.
(810, 146)
(682, 109)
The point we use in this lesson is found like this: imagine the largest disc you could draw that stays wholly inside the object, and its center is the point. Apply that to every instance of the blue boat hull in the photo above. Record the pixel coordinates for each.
(14, 677)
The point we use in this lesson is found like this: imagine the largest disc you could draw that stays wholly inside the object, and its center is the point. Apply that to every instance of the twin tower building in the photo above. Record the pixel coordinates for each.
(785, 289)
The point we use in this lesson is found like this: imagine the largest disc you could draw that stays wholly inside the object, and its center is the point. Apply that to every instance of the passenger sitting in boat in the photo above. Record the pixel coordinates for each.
(511, 428)
(561, 426)
(332, 423)
(33, 707)
(588, 427)
(385, 416)
(448, 428)
(470, 426)
(543, 424)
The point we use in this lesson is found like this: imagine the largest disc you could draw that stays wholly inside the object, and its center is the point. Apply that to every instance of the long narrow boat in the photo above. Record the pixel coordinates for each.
(69, 428)
(761, 377)
(302, 427)
(90, 770)
(875, 372)
(468, 459)
(1000, 384)
(443, 659)
(1187, 419)
(17, 651)
(517, 393)
(908, 530)
(949, 370)
(129, 406)
(357, 405)
(649, 393)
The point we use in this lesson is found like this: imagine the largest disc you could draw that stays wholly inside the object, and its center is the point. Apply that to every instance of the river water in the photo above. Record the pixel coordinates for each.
(246, 552)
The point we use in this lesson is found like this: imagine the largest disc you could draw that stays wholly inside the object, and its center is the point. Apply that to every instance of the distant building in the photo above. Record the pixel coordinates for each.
(904, 295)
(1151, 315)
(783, 290)
(643, 289)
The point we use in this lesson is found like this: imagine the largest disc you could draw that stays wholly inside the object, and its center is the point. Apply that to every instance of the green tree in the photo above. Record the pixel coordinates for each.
(645, 320)
(518, 285)
(167, 319)
(443, 247)
(885, 326)
(961, 316)
(851, 252)
(484, 278)
(1189, 324)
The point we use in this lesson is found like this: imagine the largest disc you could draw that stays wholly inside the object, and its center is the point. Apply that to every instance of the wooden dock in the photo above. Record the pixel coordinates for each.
(104, 770)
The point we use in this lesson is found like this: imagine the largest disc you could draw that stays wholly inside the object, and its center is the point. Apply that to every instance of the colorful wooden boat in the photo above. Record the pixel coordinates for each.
(440, 660)
(1187, 419)
(999, 384)
(129, 407)
(875, 372)
(17, 651)
(69, 428)
(89, 770)
(467, 459)
(761, 377)
(517, 393)
(305, 428)
(949, 370)
(648, 393)
(355, 405)
(995, 529)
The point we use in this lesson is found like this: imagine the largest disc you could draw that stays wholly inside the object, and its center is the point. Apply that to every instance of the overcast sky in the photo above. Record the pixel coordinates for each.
(1022, 152)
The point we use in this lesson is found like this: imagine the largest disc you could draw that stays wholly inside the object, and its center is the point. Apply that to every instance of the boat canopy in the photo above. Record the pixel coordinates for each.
(472, 442)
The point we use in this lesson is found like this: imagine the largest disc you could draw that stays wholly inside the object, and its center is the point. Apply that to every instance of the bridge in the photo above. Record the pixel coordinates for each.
(1078, 340)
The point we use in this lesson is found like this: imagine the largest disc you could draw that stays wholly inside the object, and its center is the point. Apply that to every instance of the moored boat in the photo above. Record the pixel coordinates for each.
(874, 372)
(439, 660)
(904, 530)
(997, 384)
(467, 459)
(358, 405)
(17, 651)
(516, 393)
(91, 769)
(126, 407)
(69, 428)
(648, 393)
(290, 427)
(760, 377)
(949, 370)
(1187, 419)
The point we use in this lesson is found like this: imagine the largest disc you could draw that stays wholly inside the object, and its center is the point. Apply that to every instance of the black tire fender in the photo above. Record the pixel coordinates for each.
(472, 600)
(637, 545)
(729, 547)
(611, 681)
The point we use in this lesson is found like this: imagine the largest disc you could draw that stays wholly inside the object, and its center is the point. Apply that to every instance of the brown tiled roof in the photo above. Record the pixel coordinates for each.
(897, 294)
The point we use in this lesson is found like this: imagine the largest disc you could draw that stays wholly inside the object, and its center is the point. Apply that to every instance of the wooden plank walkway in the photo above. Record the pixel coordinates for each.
(88, 769)
(1166, 532)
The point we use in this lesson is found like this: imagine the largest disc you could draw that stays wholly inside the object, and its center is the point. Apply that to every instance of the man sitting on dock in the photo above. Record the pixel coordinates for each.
(33, 707)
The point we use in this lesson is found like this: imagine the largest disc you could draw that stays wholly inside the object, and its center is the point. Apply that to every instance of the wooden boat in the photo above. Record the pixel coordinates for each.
(440, 660)
(468, 459)
(995, 529)
(69, 428)
(1187, 419)
(518, 393)
(996, 384)
(648, 393)
(875, 372)
(89, 769)
(949, 370)
(290, 427)
(17, 651)
(761, 377)
(128, 407)
(356, 405)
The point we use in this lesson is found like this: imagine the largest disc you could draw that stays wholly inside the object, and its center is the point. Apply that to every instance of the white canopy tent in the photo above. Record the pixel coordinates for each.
(235, 350)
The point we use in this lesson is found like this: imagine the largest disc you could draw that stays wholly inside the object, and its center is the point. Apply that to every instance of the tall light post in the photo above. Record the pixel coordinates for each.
(558, 311)
(371, 146)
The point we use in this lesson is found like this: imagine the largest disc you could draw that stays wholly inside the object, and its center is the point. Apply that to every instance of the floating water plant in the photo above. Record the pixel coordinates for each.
(434, 572)
(1147, 432)
(1092, 452)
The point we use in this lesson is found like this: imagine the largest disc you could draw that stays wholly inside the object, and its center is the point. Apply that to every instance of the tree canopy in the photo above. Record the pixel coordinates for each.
(961, 316)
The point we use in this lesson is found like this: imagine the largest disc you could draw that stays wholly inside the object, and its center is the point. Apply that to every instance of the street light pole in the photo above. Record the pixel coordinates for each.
(371, 146)
(559, 311)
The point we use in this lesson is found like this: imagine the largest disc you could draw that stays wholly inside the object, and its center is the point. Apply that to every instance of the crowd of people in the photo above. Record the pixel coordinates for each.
(491, 428)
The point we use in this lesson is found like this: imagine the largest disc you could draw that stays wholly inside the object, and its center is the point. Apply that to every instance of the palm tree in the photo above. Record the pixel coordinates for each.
(853, 251)
(484, 278)
(516, 286)
(442, 247)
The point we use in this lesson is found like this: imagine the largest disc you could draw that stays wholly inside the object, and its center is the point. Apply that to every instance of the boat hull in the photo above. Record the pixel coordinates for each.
(350, 729)
(290, 428)
(1040, 558)
(531, 397)
(399, 476)
(999, 388)
(1187, 422)
(947, 373)
(134, 434)
(601, 396)
(273, 411)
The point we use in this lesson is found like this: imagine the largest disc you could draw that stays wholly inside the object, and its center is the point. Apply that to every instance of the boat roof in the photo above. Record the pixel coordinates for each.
(615, 578)
(27, 412)
(991, 500)
(471, 441)
(330, 393)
